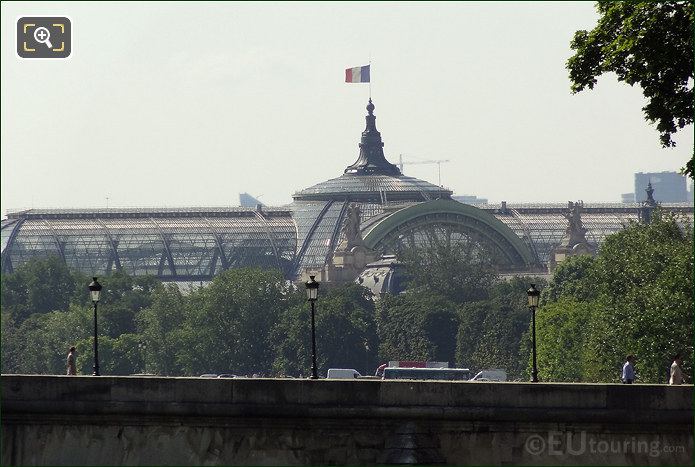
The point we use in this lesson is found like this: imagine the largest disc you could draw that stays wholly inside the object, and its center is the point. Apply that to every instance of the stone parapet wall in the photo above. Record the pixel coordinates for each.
(83, 420)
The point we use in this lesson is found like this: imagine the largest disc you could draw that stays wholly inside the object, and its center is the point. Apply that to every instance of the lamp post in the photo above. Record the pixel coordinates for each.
(533, 295)
(312, 293)
(95, 291)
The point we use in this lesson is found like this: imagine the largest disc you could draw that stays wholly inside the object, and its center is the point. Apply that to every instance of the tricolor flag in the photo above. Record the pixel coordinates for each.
(359, 74)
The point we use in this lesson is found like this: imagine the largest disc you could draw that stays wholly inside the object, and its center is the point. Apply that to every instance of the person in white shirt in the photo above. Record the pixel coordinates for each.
(628, 376)
(72, 367)
(676, 372)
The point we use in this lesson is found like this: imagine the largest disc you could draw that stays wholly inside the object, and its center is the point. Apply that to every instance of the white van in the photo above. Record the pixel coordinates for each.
(490, 375)
(343, 373)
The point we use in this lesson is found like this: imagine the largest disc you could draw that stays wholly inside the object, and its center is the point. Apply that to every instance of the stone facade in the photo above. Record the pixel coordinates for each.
(82, 420)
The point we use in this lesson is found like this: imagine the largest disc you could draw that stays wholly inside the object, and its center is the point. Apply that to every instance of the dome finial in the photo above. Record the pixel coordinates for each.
(371, 160)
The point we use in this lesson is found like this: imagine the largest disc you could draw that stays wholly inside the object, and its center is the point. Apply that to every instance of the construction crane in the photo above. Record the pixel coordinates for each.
(439, 163)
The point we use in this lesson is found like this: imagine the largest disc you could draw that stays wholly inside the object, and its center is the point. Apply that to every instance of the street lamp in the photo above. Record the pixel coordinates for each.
(312, 293)
(533, 295)
(95, 291)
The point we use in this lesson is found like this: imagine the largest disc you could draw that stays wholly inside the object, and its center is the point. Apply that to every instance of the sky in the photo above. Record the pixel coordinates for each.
(189, 104)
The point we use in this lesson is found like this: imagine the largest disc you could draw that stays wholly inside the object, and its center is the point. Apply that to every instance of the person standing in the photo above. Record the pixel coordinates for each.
(676, 371)
(72, 366)
(628, 376)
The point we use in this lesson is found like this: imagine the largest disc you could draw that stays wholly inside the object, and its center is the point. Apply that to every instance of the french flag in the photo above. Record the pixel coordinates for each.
(359, 74)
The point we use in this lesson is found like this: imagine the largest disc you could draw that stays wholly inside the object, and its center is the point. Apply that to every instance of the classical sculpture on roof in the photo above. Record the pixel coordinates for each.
(648, 205)
(574, 241)
(575, 232)
(351, 255)
(351, 228)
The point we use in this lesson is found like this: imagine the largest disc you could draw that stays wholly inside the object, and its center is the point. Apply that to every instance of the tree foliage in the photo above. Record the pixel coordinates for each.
(641, 304)
(574, 278)
(458, 272)
(646, 43)
(345, 333)
(493, 333)
(40, 286)
(561, 340)
(228, 323)
(161, 330)
(42, 340)
(634, 297)
(417, 326)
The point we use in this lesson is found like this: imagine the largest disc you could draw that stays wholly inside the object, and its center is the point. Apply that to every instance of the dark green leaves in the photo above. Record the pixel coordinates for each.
(646, 43)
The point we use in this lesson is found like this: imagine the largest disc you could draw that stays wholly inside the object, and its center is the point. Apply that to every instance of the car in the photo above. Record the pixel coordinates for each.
(343, 373)
(209, 375)
(226, 375)
(490, 375)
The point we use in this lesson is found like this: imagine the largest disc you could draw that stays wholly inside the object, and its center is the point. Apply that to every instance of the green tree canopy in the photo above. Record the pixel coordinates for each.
(417, 325)
(228, 323)
(40, 286)
(561, 337)
(642, 304)
(494, 333)
(647, 43)
(575, 278)
(43, 340)
(345, 333)
(162, 331)
(459, 272)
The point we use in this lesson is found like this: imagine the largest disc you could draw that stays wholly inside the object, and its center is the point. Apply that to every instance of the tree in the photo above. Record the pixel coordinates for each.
(561, 340)
(8, 343)
(647, 43)
(120, 356)
(122, 299)
(345, 333)
(43, 340)
(46, 309)
(417, 325)
(573, 278)
(494, 333)
(39, 286)
(642, 304)
(228, 323)
(161, 330)
(423, 323)
(646, 273)
(459, 272)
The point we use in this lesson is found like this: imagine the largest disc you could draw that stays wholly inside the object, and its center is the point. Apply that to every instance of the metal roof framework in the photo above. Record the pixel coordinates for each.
(172, 244)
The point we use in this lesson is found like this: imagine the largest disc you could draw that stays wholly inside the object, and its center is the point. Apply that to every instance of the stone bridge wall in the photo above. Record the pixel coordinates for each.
(84, 420)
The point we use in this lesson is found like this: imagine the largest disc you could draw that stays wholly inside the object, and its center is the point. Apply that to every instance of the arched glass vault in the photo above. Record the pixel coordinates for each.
(174, 244)
(445, 223)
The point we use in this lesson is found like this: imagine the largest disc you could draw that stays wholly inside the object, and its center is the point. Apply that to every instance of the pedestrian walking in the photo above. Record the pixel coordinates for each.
(72, 366)
(628, 376)
(676, 371)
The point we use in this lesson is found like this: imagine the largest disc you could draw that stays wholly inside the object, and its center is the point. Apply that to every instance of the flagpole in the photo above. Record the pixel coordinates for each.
(370, 75)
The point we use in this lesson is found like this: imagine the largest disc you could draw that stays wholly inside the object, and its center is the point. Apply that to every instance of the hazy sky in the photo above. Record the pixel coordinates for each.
(189, 104)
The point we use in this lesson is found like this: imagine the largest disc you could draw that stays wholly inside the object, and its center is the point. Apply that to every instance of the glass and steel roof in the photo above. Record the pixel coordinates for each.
(186, 244)
(379, 188)
(193, 244)
(172, 244)
(542, 226)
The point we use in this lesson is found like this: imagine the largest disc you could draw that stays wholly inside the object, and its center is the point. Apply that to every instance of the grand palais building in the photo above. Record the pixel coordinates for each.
(346, 228)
